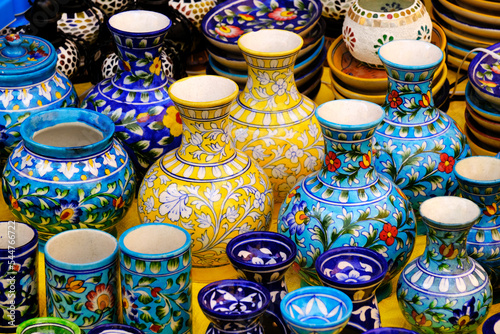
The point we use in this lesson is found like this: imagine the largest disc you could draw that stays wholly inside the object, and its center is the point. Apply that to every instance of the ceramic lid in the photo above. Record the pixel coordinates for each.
(25, 59)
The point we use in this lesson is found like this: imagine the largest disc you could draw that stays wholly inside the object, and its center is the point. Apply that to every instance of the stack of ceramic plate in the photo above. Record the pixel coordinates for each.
(468, 24)
(354, 80)
(482, 94)
(226, 22)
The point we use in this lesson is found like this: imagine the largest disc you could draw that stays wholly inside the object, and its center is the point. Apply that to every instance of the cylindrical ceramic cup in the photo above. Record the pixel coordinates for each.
(48, 325)
(155, 265)
(18, 274)
(81, 278)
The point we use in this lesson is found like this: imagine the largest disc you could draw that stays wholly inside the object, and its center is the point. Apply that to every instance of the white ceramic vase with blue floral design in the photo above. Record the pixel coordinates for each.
(347, 202)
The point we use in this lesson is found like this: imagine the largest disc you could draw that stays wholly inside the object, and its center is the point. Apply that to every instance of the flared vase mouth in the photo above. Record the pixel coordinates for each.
(399, 8)
(407, 54)
(450, 212)
(480, 170)
(353, 115)
(139, 22)
(23, 234)
(203, 91)
(270, 43)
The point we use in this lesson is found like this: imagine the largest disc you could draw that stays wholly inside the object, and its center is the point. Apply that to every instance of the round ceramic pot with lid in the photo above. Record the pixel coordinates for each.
(29, 84)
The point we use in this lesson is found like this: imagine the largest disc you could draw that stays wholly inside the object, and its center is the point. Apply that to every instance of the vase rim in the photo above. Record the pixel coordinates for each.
(71, 327)
(270, 42)
(480, 169)
(24, 239)
(449, 212)
(139, 22)
(401, 54)
(350, 114)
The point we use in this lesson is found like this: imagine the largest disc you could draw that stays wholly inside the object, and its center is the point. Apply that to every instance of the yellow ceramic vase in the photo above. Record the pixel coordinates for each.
(270, 120)
(206, 186)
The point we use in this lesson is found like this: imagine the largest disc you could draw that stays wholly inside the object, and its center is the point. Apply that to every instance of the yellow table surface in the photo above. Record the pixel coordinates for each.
(390, 314)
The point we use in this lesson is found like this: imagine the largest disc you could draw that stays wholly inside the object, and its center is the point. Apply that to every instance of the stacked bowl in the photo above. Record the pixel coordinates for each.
(225, 23)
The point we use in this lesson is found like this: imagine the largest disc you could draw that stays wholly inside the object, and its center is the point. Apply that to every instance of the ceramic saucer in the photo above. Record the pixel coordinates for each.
(481, 107)
(483, 122)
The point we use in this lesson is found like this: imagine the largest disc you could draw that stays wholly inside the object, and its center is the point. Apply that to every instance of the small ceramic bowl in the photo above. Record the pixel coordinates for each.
(490, 138)
(484, 75)
(479, 106)
(316, 309)
(492, 324)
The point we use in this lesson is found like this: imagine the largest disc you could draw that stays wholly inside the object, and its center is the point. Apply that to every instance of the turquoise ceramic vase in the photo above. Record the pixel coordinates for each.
(444, 290)
(347, 202)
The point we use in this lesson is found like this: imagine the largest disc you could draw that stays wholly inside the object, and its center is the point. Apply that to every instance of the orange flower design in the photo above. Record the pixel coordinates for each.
(291, 194)
(101, 299)
(172, 120)
(446, 164)
(420, 319)
(448, 251)
(367, 160)
(229, 31)
(118, 203)
(75, 286)
(426, 100)
(491, 209)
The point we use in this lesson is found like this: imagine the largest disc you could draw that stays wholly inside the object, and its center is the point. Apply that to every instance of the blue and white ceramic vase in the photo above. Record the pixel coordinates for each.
(68, 172)
(264, 258)
(417, 144)
(347, 202)
(136, 98)
(81, 277)
(115, 329)
(18, 274)
(155, 271)
(357, 272)
(29, 84)
(234, 306)
(479, 180)
(444, 290)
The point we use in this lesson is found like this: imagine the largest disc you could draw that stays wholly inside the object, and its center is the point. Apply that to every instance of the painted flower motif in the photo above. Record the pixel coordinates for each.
(263, 78)
(68, 169)
(487, 83)
(44, 90)
(420, 319)
(129, 306)
(332, 162)
(388, 234)
(495, 68)
(172, 120)
(424, 33)
(446, 164)
(297, 219)
(12, 37)
(353, 276)
(6, 97)
(92, 166)
(37, 54)
(282, 14)
(349, 39)
(448, 251)
(426, 100)
(279, 87)
(74, 286)
(260, 201)
(14, 203)
(126, 66)
(109, 159)
(394, 99)
(154, 291)
(294, 153)
(291, 195)
(25, 97)
(68, 212)
(228, 31)
(26, 160)
(44, 167)
(246, 17)
(100, 300)
(366, 161)
(490, 210)
(118, 203)
(155, 328)
(142, 117)
(174, 203)
(155, 68)
(262, 256)
(466, 316)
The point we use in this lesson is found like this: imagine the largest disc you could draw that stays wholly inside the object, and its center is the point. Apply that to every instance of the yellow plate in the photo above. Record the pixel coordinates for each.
(481, 5)
(460, 52)
(477, 17)
(350, 94)
(484, 122)
(490, 138)
(476, 146)
(455, 62)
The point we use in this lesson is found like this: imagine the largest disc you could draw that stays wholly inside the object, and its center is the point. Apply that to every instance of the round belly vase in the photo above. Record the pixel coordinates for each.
(270, 120)
(479, 181)
(136, 97)
(348, 202)
(444, 290)
(29, 84)
(417, 145)
(207, 186)
(68, 172)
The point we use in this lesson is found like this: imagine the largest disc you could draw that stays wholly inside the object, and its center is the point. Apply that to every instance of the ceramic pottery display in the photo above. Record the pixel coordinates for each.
(207, 186)
(270, 120)
(81, 278)
(234, 306)
(417, 144)
(136, 98)
(316, 309)
(444, 290)
(264, 257)
(115, 329)
(479, 180)
(357, 272)
(111, 7)
(48, 325)
(348, 202)
(30, 84)
(369, 24)
(68, 172)
(18, 274)
(155, 266)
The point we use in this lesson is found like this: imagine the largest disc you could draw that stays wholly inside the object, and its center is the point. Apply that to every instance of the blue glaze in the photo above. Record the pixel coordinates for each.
(115, 329)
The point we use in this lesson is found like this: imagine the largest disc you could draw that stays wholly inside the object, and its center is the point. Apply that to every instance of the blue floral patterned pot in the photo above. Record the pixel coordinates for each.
(82, 179)
(136, 98)
(48, 325)
(347, 202)
(316, 309)
(29, 84)
(18, 274)
(264, 257)
(115, 329)
(234, 306)
(357, 272)
(444, 290)
(155, 266)
(81, 277)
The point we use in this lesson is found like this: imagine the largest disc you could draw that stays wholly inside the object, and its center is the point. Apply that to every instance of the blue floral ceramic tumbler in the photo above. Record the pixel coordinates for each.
(155, 266)
(68, 172)
(234, 306)
(18, 274)
(264, 257)
(357, 272)
(316, 309)
(115, 329)
(81, 277)
(444, 290)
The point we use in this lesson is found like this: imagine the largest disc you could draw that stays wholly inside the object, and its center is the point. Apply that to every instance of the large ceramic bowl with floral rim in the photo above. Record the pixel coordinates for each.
(484, 75)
